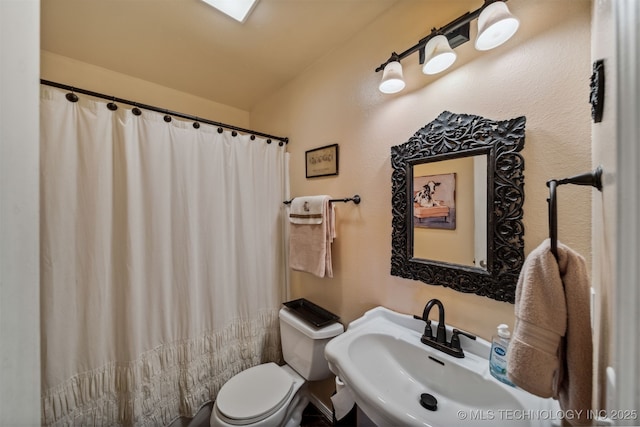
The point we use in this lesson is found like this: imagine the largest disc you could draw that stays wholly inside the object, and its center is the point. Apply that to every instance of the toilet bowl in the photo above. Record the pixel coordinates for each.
(272, 395)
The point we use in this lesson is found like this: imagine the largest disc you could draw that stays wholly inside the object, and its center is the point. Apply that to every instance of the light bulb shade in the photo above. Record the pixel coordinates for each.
(438, 55)
(392, 80)
(496, 25)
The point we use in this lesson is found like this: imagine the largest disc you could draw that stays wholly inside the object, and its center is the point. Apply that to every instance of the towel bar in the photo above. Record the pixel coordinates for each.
(593, 178)
(355, 199)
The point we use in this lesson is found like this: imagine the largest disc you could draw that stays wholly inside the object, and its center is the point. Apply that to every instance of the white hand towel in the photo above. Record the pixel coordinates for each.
(307, 210)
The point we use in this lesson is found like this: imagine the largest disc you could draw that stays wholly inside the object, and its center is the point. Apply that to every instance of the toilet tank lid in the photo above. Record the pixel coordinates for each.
(288, 316)
(312, 313)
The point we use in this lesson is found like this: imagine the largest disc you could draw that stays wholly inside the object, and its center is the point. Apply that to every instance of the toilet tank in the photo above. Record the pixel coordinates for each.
(303, 345)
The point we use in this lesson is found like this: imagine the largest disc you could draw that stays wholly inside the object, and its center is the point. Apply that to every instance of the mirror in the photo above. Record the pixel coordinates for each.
(457, 196)
(450, 207)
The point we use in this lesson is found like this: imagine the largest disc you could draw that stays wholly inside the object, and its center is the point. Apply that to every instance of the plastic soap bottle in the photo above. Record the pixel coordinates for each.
(498, 357)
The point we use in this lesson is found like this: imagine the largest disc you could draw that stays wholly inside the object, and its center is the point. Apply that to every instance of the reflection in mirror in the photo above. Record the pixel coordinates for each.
(480, 211)
(457, 196)
(450, 208)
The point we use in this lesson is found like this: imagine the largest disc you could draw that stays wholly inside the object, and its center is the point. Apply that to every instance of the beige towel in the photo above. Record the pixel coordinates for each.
(550, 354)
(309, 238)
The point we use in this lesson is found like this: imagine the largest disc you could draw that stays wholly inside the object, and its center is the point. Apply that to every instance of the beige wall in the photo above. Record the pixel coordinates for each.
(543, 74)
(61, 69)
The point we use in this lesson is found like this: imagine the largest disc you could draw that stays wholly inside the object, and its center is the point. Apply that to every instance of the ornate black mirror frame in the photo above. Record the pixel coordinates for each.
(460, 135)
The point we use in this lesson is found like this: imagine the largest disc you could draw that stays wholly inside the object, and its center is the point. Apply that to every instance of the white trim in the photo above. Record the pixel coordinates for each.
(19, 214)
(285, 227)
(627, 344)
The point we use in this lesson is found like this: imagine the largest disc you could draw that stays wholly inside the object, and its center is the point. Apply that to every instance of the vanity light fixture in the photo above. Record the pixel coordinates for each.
(496, 25)
(439, 55)
(392, 79)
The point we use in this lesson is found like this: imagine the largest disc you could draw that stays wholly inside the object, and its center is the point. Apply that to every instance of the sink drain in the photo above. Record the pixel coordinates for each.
(428, 401)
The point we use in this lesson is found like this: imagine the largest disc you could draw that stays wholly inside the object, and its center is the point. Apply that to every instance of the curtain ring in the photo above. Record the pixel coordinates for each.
(71, 97)
(112, 105)
(196, 125)
(135, 110)
(234, 133)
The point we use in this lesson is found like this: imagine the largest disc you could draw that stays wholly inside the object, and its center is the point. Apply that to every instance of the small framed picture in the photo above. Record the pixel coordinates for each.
(322, 161)
(434, 201)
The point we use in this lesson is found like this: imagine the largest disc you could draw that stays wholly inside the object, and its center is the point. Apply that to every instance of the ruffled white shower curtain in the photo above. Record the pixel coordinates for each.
(162, 261)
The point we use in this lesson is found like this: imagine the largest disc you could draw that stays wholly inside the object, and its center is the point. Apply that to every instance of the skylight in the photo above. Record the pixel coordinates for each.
(237, 9)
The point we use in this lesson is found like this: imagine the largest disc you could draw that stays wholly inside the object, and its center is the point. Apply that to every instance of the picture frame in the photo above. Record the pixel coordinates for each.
(322, 161)
(434, 201)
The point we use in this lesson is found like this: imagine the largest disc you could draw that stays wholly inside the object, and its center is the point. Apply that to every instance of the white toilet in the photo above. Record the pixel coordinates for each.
(272, 395)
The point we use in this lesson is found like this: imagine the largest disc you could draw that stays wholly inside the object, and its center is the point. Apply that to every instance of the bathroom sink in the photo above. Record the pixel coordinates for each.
(387, 369)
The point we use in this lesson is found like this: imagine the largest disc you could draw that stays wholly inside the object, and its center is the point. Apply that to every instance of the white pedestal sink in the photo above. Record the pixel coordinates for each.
(386, 369)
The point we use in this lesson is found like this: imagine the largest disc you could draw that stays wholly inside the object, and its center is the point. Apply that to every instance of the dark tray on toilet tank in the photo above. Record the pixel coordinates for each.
(311, 312)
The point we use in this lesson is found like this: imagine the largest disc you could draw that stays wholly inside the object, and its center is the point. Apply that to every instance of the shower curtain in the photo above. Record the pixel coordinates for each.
(162, 261)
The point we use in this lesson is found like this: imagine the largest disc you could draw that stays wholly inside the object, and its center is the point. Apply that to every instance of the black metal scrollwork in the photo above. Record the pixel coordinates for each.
(460, 135)
(596, 94)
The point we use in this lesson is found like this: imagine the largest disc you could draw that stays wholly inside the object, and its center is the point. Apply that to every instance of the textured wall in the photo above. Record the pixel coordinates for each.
(543, 74)
(61, 69)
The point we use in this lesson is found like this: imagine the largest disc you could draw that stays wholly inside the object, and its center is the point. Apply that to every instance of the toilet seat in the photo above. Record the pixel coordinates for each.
(254, 394)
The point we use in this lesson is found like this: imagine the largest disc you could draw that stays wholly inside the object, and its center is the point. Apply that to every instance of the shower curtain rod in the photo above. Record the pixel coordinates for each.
(163, 110)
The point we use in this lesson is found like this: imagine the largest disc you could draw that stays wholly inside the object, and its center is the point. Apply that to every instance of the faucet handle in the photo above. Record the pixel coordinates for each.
(455, 338)
(428, 333)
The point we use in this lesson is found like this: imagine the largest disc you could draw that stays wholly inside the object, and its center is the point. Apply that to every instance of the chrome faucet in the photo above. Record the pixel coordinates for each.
(440, 341)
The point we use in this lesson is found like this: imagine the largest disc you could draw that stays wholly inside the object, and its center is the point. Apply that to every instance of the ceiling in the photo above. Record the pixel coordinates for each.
(191, 47)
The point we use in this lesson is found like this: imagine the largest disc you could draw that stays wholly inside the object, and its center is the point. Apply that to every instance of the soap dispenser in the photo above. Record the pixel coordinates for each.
(498, 357)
